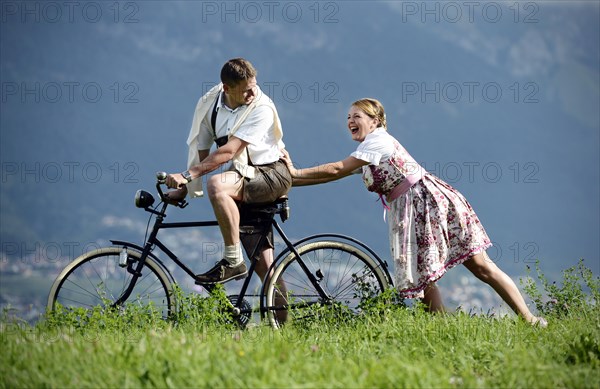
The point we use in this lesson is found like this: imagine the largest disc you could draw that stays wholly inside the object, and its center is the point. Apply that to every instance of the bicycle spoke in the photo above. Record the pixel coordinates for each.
(344, 273)
(150, 285)
(83, 289)
(95, 295)
(97, 280)
(350, 282)
(77, 302)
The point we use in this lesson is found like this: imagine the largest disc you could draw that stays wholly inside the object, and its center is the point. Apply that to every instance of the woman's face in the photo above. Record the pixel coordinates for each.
(360, 124)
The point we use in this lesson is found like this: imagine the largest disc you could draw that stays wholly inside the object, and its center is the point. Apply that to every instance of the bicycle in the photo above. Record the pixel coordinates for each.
(318, 272)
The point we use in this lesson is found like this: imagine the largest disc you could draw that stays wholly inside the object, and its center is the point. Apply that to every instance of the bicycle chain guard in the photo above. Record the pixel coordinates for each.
(241, 315)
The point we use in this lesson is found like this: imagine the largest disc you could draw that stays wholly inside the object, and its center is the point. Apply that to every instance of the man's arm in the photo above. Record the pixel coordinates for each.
(177, 195)
(209, 161)
(218, 158)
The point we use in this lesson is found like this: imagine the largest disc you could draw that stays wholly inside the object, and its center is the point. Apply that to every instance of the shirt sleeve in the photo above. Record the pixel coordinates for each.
(374, 149)
(255, 128)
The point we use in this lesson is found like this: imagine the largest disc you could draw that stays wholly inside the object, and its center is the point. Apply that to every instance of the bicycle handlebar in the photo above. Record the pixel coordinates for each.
(161, 179)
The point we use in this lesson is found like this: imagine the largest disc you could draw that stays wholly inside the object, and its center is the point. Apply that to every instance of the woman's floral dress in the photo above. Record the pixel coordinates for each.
(432, 227)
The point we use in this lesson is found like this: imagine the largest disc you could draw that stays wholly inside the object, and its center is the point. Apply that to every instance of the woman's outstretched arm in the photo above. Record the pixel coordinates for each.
(323, 173)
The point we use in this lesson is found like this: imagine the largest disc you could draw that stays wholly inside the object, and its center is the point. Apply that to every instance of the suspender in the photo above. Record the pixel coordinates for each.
(213, 119)
(222, 140)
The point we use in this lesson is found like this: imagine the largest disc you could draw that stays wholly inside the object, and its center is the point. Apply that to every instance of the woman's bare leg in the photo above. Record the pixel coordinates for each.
(433, 299)
(486, 270)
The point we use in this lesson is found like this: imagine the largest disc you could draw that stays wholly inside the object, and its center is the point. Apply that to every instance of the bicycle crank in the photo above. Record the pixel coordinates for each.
(241, 314)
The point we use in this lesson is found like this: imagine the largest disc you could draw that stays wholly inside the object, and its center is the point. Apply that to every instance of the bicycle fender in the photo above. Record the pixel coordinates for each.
(317, 237)
(129, 245)
(139, 248)
(325, 236)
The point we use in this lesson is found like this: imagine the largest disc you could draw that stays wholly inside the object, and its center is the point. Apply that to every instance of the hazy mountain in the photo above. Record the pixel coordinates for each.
(499, 99)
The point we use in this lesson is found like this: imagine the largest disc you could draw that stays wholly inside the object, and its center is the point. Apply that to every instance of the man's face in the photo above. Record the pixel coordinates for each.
(241, 94)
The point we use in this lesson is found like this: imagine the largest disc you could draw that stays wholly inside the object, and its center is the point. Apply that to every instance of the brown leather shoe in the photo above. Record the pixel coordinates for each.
(222, 272)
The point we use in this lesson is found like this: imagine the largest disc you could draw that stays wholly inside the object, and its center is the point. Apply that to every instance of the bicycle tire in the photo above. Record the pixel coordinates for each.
(344, 271)
(96, 279)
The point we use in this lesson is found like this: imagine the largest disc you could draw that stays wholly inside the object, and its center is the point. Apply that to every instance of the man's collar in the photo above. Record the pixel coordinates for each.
(221, 103)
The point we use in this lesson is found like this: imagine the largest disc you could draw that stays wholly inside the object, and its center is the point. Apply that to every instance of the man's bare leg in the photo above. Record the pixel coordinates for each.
(223, 191)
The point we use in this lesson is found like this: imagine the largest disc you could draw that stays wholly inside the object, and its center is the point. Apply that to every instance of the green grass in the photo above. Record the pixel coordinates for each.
(390, 346)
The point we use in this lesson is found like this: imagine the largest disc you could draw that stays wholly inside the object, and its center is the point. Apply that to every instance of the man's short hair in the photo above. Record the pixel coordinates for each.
(236, 70)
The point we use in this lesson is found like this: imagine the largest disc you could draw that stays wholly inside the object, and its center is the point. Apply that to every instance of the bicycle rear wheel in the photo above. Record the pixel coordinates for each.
(96, 279)
(346, 273)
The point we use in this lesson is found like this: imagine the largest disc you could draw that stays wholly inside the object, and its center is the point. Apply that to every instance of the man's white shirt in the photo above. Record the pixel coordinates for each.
(257, 130)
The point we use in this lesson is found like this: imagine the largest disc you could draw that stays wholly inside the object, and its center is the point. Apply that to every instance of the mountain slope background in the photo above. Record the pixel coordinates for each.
(499, 99)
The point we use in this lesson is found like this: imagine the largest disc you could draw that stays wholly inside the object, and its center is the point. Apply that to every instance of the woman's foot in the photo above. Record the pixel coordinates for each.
(539, 322)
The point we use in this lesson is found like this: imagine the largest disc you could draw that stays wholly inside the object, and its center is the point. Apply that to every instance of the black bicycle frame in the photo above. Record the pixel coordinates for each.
(153, 241)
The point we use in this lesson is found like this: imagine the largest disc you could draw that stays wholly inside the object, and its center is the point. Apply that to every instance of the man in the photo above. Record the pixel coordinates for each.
(238, 112)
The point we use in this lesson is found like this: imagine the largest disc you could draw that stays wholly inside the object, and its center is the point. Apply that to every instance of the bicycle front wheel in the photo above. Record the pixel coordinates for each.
(346, 274)
(96, 279)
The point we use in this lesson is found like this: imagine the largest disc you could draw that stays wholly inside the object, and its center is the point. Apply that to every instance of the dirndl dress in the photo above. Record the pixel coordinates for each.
(432, 227)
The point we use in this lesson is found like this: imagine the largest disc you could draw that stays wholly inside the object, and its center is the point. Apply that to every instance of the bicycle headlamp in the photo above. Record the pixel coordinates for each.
(143, 199)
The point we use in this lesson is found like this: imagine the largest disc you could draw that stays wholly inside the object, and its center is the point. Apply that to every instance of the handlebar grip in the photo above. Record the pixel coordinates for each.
(161, 177)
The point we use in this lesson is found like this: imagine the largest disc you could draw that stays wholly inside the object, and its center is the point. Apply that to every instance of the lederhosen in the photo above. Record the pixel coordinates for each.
(253, 224)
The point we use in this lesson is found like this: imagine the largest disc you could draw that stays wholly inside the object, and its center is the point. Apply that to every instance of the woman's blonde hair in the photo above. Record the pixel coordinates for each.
(373, 108)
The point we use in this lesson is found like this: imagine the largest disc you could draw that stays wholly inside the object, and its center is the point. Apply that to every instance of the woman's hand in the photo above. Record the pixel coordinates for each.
(288, 161)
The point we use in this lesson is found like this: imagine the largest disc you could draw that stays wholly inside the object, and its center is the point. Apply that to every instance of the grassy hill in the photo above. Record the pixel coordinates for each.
(399, 349)
(387, 346)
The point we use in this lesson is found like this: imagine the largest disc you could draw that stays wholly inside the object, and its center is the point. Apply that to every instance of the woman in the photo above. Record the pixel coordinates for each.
(432, 227)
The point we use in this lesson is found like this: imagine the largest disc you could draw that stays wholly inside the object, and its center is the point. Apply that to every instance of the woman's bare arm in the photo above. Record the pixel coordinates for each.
(323, 173)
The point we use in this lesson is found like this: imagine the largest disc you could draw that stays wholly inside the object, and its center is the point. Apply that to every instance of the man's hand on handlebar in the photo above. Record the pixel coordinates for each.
(174, 197)
(177, 196)
(176, 181)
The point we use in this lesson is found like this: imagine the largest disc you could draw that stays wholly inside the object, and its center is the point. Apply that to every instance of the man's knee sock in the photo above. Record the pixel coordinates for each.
(233, 254)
